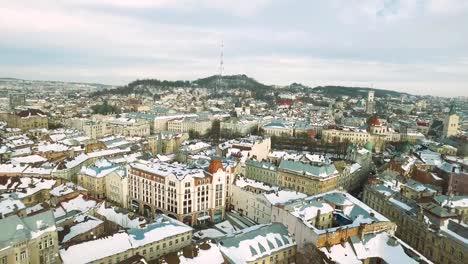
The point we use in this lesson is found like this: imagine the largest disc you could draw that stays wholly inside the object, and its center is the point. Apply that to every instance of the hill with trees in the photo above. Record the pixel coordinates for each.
(241, 81)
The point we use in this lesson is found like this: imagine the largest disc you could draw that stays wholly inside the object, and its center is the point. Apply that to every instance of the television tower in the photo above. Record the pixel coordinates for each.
(221, 67)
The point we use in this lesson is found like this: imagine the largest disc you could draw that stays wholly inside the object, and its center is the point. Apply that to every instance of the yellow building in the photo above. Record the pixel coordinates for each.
(26, 119)
(93, 177)
(166, 142)
(308, 179)
(451, 124)
(31, 239)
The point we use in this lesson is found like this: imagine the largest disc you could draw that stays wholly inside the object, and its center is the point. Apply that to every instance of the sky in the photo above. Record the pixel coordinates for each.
(415, 46)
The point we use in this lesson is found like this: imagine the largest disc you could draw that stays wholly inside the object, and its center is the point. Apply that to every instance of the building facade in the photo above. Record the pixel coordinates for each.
(308, 179)
(261, 171)
(193, 196)
(426, 229)
(31, 239)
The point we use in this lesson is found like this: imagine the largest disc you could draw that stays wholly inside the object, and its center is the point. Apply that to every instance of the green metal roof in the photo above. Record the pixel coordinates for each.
(307, 169)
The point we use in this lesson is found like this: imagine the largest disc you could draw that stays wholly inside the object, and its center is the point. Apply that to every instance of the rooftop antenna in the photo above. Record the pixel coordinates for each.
(221, 67)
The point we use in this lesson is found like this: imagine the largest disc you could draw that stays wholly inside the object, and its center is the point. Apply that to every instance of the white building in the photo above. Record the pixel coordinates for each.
(188, 194)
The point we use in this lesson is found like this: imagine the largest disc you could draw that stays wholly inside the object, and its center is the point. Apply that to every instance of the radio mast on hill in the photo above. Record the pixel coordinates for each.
(221, 68)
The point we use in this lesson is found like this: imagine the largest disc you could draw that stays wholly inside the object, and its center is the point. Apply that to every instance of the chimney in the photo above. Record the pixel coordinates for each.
(317, 218)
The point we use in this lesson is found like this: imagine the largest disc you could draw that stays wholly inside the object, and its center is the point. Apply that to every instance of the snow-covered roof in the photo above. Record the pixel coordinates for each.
(15, 229)
(83, 223)
(78, 160)
(177, 171)
(51, 147)
(355, 211)
(78, 203)
(211, 255)
(452, 202)
(380, 245)
(283, 196)
(11, 168)
(120, 218)
(10, 205)
(255, 242)
(66, 188)
(25, 186)
(100, 168)
(28, 159)
(244, 182)
(162, 228)
(325, 171)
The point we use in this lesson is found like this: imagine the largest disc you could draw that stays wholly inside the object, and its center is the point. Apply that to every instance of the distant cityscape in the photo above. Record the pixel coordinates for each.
(226, 169)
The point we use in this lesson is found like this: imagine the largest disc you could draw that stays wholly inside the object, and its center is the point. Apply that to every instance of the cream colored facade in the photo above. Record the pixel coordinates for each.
(116, 186)
(95, 130)
(161, 122)
(128, 127)
(151, 251)
(242, 127)
(307, 179)
(451, 125)
(166, 143)
(435, 244)
(189, 195)
(151, 248)
(284, 256)
(96, 186)
(185, 125)
(30, 245)
(25, 123)
(377, 135)
(261, 171)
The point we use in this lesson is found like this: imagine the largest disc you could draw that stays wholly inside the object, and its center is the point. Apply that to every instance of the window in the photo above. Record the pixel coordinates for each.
(23, 255)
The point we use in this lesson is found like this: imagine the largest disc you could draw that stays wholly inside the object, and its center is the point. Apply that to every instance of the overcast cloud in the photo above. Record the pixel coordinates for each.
(417, 46)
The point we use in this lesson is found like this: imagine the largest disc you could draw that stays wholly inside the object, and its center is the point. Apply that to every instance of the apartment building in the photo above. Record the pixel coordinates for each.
(184, 125)
(116, 186)
(94, 178)
(166, 142)
(185, 193)
(261, 171)
(161, 122)
(25, 119)
(306, 178)
(377, 135)
(252, 147)
(238, 126)
(150, 242)
(429, 228)
(128, 127)
(335, 227)
(255, 199)
(31, 239)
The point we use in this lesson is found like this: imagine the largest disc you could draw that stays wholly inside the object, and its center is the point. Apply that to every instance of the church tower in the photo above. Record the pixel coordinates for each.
(451, 124)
